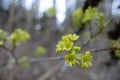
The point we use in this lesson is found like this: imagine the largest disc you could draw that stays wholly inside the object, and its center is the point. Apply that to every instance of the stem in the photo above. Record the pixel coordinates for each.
(85, 43)
(88, 41)
(14, 56)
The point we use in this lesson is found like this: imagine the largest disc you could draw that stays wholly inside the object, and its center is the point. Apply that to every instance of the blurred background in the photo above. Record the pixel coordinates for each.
(47, 21)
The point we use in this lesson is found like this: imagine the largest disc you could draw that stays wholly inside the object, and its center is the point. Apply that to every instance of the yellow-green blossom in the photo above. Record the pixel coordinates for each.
(67, 45)
(86, 60)
(90, 13)
(71, 60)
(67, 42)
(76, 48)
(72, 37)
(64, 46)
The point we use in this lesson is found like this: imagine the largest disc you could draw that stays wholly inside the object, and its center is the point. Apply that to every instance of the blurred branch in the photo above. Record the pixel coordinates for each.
(12, 52)
(11, 16)
(50, 72)
(14, 56)
(7, 49)
(79, 30)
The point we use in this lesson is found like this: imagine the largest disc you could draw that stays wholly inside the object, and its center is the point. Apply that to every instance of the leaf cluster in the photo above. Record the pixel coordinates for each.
(116, 43)
(72, 57)
(79, 17)
(18, 36)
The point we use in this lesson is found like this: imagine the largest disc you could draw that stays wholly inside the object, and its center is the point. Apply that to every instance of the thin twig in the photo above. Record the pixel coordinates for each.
(62, 57)
(93, 36)
(7, 49)
(104, 49)
(55, 58)
(46, 59)
(88, 41)
(85, 43)
(14, 56)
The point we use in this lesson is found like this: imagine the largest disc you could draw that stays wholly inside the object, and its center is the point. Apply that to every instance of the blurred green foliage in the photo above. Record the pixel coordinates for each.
(40, 51)
(3, 35)
(19, 36)
(24, 61)
(79, 17)
(116, 43)
(117, 52)
(51, 12)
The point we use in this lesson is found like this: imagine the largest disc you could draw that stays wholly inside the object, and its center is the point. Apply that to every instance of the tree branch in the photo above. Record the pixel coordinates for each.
(104, 49)
(62, 57)
(12, 52)
(46, 59)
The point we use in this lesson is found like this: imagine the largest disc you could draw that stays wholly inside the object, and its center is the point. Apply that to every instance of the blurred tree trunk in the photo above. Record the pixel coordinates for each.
(1, 4)
(11, 17)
